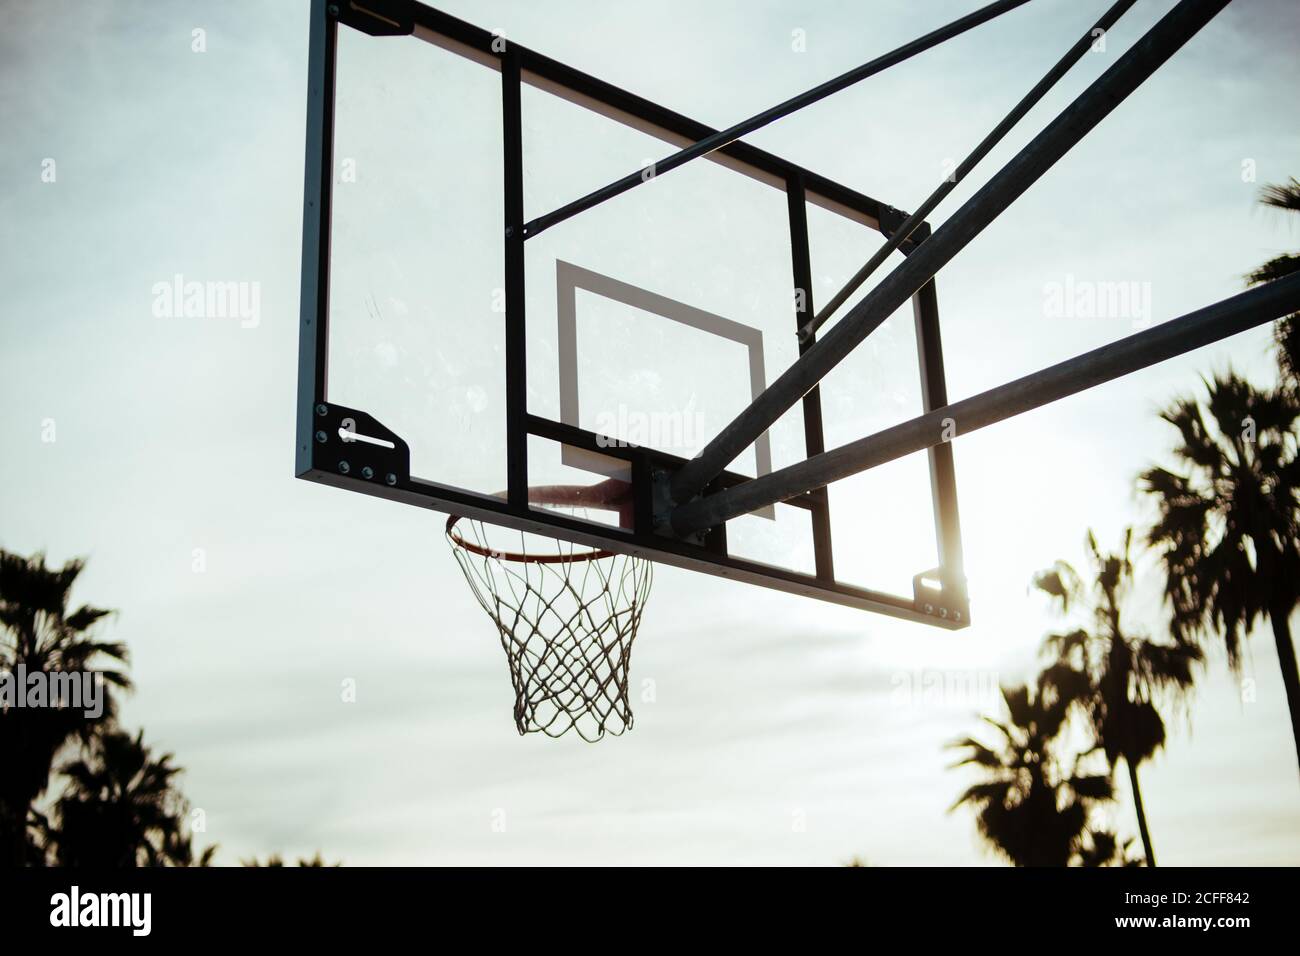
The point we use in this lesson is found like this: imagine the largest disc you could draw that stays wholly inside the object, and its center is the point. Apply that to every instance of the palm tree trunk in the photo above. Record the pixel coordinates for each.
(1141, 813)
(1286, 660)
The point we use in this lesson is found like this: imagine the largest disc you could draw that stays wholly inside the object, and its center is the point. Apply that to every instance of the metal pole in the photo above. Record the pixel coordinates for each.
(318, 184)
(1089, 109)
(720, 139)
(1215, 322)
(516, 339)
(814, 432)
(904, 232)
(943, 477)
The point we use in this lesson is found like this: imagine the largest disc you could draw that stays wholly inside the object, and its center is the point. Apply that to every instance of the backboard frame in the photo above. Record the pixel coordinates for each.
(327, 452)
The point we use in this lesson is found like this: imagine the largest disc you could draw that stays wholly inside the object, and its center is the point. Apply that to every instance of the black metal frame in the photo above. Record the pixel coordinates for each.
(327, 455)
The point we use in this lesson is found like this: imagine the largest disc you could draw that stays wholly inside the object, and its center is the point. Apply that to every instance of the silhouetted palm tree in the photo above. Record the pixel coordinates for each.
(275, 860)
(1229, 520)
(1123, 673)
(39, 631)
(1103, 848)
(1031, 809)
(1285, 196)
(122, 809)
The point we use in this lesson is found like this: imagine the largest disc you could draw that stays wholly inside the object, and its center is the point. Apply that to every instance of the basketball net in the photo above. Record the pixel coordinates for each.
(566, 614)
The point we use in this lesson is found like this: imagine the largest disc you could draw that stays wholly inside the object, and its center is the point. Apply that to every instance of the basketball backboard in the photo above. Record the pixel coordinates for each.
(452, 358)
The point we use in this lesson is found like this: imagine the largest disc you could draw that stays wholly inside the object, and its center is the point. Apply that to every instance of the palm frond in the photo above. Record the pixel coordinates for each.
(979, 754)
(1282, 195)
(1286, 335)
(1060, 581)
(1279, 267)
(982, 793)
(1093, 787)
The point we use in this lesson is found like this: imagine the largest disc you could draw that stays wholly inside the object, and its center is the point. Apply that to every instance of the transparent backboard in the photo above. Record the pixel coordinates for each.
(652, 319)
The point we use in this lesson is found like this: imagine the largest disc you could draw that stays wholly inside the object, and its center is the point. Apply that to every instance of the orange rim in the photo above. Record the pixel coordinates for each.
(517, 556)
(611, 495)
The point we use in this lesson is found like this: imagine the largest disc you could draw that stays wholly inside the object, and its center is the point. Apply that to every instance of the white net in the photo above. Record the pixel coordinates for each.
(566, 618)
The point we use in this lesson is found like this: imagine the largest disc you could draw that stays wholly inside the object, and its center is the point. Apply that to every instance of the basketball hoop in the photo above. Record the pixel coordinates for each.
(566, 615)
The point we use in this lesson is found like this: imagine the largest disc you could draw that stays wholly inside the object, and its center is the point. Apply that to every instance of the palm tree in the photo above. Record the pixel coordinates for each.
(1229, 518)
(1032, 810)
(1118, 674)
(122, 809)
(1103, 848)
(1284, 196)
(277, 861)
(40, 632)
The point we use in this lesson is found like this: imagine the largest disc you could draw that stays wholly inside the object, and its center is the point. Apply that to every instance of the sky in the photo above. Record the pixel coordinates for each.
(769, 728)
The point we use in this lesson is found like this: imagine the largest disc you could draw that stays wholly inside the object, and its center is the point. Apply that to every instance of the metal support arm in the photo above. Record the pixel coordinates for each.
(1089, 109)
(1237, 314)
(904, 232)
